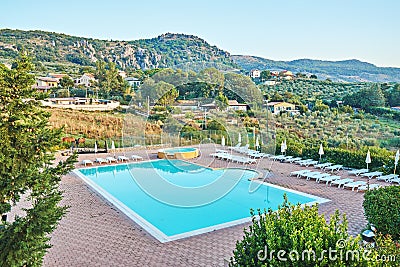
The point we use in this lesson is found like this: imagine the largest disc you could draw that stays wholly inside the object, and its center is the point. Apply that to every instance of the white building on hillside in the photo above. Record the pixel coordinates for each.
(86, 80)
(133, 82)
(255, 73)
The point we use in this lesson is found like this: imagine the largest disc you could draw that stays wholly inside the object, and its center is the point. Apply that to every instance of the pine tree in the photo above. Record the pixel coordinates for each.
(26, 169)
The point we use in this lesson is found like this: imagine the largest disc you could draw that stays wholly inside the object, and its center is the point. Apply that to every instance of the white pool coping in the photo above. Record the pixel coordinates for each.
(163, 238)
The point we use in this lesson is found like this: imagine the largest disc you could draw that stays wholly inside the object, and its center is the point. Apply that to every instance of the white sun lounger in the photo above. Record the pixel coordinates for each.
(309, 163)
(243, 160)
(302, 161)
(100, 160)
(354, 185)
(317, 176)
(334, 167)
(87, 162)
(395, 180)
(279, 157)
(323, 165)
(122, 158)
(299, 172)
(111, 159)
(371, 187)
(358, 172)
(329, 179)
(292, 159)
(256, 155)
(283, 158)
(235, 147)
(387, 178)
(371, 175)
(136, 157)
(308, 174)
(340, 182)
(225, 156)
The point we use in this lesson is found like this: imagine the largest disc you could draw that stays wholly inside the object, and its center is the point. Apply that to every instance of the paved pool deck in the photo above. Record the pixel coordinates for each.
(95, 233)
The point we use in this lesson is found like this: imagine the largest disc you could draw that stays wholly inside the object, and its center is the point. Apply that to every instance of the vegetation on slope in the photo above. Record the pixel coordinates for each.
(64, 52)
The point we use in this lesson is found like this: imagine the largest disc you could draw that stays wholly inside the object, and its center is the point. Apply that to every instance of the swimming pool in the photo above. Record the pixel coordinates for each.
(173, 199)
(178, 153)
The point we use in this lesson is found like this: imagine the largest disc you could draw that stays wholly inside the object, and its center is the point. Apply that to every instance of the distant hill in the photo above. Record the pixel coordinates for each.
(346, 70)
(61, 52)
(167, 50)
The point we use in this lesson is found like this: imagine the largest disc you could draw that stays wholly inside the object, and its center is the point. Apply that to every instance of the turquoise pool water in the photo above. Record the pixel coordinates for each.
(180, 149)
(173, 199)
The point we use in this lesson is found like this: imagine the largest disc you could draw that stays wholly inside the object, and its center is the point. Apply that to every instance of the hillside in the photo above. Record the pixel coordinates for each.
(61, 52)
(347, 70)
(167, 50)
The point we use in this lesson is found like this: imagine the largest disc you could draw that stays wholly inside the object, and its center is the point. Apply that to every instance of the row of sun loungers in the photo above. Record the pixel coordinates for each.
(390, 178)
(334, 180)
(111, 160)
(308, 162)
(232, 158)
(323, 166)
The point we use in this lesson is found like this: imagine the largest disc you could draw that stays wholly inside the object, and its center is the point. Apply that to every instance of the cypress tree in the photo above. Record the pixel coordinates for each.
(27, 171)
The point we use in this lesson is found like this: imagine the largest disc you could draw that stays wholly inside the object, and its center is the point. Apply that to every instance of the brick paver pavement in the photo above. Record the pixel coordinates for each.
(95, 233)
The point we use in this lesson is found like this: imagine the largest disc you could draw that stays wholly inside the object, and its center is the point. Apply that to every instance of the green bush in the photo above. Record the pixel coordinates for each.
(293, 228)
(382, 208)
(382, 159)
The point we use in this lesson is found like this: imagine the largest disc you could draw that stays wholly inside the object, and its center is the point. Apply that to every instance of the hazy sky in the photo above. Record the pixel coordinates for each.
(281, 30)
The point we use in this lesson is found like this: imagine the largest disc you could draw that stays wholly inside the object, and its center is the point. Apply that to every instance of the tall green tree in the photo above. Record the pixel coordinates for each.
(212, 76)
(265, 75)
(66, 82)
(244, 87)
(393, 96)
(221, 101)
(26, 169)
(366, 98)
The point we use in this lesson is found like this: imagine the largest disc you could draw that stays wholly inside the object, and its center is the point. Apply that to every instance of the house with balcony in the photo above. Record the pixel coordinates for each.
(133, 82)
(86, 80)
(277, 107)
(255, 74)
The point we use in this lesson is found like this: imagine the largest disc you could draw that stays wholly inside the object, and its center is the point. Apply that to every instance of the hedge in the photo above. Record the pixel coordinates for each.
(382, 208)
(381, 159)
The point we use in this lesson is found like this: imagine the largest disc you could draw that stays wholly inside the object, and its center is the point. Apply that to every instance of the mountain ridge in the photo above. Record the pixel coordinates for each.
(62, 52)
(166, 50)
(350, 70)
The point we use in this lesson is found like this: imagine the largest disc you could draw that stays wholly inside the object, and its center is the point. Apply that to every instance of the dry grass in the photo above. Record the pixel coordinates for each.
(91, 124)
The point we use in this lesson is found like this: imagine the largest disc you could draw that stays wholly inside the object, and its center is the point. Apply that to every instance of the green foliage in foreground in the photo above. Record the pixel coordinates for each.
(26, 171)
(382, 208)
(291, 235)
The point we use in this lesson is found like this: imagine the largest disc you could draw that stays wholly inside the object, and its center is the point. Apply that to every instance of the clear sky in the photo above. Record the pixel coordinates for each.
(281, 30)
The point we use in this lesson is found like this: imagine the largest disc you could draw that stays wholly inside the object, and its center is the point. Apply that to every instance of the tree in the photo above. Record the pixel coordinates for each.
(265, 75)
(313, 76)
(221, 101)
(366, 98)
(393, 96)
(26, 171)
(295, 229)
(66, 82)
(212, 76)
(319, 106)
(244, 88)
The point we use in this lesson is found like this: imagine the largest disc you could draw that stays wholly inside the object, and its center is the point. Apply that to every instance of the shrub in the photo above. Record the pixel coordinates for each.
(293, 228)
(382, 208)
